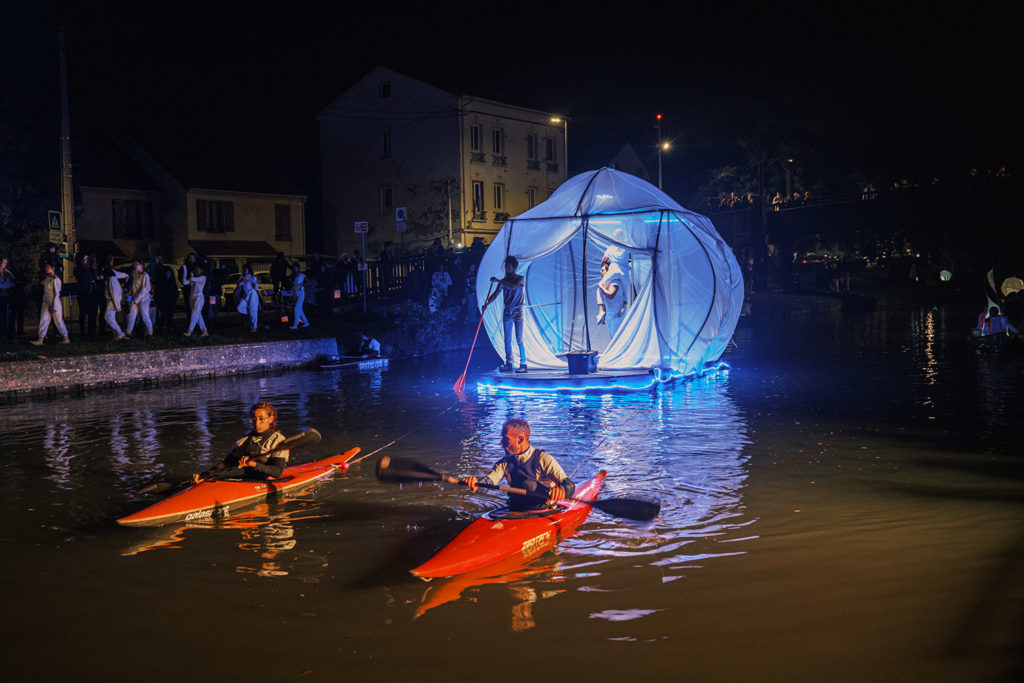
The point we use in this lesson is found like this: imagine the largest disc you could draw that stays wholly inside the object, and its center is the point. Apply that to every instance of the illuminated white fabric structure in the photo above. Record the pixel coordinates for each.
(685, 287)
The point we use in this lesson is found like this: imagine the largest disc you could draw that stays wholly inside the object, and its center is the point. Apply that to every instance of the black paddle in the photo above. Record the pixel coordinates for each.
(405, 470)
(300, 440)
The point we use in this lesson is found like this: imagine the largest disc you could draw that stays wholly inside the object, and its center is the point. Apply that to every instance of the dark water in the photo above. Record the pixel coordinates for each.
(845, 504)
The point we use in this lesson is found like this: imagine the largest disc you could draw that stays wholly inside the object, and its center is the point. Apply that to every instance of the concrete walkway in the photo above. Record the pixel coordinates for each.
(77, 373)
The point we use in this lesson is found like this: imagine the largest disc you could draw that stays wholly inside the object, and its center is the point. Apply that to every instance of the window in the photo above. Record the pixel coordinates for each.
(531, 196)
(215, 216)
(387, 200)
(498, 141)
(133, 219)
(476, 138)
(478, 199)
(384, 89)
(282, 222)
(531, 146)
(549, 149)
(499, 196)
(385, 144)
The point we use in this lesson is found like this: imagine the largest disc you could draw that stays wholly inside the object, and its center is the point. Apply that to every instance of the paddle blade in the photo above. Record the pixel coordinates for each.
(403, 470)
(460, 384)
(628, 508)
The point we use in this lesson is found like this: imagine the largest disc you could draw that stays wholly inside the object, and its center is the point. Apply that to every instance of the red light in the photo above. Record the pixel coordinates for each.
(658, 117)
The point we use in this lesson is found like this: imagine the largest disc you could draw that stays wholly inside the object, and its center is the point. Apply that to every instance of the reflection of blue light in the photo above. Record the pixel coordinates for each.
(656, 377)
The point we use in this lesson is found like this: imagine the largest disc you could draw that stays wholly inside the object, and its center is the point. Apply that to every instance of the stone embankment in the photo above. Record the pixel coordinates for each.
(77, 373)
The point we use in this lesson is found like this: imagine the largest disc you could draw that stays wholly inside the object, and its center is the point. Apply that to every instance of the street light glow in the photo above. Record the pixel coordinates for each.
(555, 119)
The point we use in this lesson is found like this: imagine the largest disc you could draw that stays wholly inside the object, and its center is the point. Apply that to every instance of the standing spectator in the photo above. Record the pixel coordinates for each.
(440, 282)
(278, 274)
(185, 275)
(85, 274)
(214, 290)
(50, 308)
(166, 300)
(7, 284)
(247, 294)
(19, 302)
(299, 294)
(113, 295)
(197, 283)
(140, 297)
(50, 256)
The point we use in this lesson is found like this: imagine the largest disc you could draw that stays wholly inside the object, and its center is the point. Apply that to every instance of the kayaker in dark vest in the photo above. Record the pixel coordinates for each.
(528, 468)
(249, 453)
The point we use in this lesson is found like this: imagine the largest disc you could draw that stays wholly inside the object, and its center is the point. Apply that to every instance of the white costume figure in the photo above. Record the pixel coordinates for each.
(139, 306)
(248, 295)
(51, 309)
(611, 293)
(114, 296)
(198, 283)
(299, 292)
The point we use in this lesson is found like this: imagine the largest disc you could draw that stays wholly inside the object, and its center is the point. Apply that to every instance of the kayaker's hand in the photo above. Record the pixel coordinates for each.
(196, 478)
(470, 482)
(244, 461)
(557, 493)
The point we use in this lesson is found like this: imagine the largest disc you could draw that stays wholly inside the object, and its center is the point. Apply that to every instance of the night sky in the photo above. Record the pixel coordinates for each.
(867, 88)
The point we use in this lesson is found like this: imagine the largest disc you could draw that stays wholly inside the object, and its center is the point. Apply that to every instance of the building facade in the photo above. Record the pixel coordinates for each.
(160, 207)
(459, 166)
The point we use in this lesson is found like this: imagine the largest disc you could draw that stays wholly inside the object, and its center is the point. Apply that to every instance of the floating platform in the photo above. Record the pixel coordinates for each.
(356, 364)
(599, 381)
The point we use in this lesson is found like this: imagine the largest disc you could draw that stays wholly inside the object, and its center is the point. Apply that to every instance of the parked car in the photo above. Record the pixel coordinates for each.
(227, 299)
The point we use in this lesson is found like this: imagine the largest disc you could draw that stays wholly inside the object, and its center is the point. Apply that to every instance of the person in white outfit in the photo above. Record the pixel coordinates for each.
(114, 295)
(51, 308)
(299, 292)
(196, 280)
(248, 294)
(139, 306)
(611, 297)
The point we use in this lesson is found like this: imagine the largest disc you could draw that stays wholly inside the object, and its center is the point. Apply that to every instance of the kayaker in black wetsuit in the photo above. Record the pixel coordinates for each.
(527, 468)
(249, 453)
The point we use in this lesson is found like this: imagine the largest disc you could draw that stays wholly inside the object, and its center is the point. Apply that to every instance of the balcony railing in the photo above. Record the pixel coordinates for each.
(533, 164)
(499, 160)
(553, 166)
(477, 157)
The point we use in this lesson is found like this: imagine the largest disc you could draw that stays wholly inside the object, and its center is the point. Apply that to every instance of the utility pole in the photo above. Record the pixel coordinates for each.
(67, 200)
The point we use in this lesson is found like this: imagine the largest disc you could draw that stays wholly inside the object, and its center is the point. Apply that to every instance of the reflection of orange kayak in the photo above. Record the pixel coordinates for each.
(218, 498)
(510, 569)
(500, 534)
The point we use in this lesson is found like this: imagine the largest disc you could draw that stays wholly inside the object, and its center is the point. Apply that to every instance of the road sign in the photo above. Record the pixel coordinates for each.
(56, 226)
(400, 214)
(362, 227)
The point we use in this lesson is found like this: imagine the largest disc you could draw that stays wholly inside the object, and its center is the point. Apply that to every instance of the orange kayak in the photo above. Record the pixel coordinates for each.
(220, 497)
(501, 534)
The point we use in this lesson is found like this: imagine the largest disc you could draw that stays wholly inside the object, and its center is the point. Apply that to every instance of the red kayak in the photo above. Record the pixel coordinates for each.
(220, 497)
(502, 534)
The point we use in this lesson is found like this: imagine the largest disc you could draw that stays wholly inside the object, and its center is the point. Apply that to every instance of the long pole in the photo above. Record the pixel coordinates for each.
(67, 202)
(659, 151)
(362, 266)
(565, 145)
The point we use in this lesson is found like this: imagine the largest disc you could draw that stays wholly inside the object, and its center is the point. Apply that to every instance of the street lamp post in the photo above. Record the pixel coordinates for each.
(663, 146)
(565, 140)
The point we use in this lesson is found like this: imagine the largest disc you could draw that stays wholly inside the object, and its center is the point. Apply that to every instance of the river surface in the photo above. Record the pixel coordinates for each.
(844, 504)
